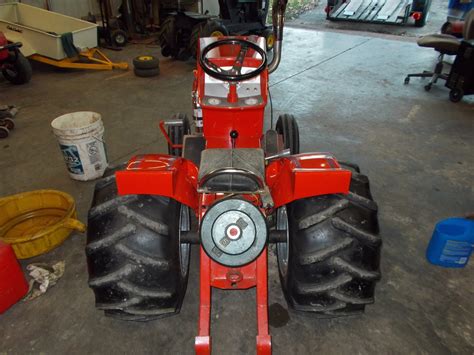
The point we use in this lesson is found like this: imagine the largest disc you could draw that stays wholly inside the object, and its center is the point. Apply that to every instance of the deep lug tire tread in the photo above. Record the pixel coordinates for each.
(133, 253)
(194, 39)
(167, 37)
(334, 252)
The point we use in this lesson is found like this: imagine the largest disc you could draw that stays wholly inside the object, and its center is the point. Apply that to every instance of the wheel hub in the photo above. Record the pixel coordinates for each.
(233, 232)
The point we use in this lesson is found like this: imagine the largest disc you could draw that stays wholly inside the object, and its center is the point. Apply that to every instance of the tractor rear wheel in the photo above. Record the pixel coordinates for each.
(286, 126)
(138, 268)
(194, 40)
(168, 37)
(331, 261)
(177, 133)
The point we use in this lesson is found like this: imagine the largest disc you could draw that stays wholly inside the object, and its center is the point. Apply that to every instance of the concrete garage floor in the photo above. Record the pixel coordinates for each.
(348, 95)
(316, 19)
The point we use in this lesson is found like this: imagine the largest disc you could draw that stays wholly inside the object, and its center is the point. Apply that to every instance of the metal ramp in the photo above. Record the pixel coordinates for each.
(376, 11)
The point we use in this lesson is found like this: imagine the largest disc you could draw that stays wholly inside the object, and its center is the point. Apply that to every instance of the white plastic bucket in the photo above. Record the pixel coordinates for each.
(80, 137)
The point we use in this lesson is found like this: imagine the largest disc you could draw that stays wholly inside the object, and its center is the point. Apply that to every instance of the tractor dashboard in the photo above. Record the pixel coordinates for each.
(232, 59)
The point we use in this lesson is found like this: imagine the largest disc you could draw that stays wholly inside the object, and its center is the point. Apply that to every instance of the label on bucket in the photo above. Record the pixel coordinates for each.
(456, 252)
(72, 159)
(93, 152)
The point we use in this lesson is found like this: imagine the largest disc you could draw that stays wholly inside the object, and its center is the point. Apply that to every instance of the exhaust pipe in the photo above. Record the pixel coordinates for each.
(278, 19)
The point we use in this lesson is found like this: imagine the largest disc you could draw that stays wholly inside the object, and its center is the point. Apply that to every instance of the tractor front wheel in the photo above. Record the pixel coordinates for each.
(138, 268)
(287, 127)
(214, 28)
(177, 133)
(330, 263)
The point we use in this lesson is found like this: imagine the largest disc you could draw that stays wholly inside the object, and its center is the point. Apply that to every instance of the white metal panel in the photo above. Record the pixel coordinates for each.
(74, 8)
(41, 30)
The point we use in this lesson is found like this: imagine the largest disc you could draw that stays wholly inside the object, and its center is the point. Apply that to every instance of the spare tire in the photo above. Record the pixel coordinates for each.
(146, 73)
(146, 62)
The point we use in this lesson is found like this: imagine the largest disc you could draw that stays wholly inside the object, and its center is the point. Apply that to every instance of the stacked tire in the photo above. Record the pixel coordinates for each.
(146, 66)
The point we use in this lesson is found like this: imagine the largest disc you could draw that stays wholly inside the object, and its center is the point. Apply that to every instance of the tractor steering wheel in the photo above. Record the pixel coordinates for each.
(235, 73)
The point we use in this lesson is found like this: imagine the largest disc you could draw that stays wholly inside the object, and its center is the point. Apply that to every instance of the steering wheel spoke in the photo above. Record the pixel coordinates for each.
(214, 66)
(239, 61)
(235, 73)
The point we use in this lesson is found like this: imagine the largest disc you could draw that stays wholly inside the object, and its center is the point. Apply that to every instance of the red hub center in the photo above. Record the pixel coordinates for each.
(233, 232)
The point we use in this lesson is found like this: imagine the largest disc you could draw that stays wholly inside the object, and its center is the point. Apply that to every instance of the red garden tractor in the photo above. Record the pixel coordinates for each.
(236, 191)
(14, 66)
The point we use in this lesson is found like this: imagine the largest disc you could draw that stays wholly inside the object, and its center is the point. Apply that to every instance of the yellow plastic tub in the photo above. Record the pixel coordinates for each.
(38, 221)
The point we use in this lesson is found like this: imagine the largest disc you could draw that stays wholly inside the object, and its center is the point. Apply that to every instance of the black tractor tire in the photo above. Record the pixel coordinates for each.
(196, 33)
(168, 37)
(424, 14)
(146, 73)
(138, 269)
(166, 51)
(183, 54)
(288, 127)
(119, 38)
(331, 261)
(146, 62)
(20, 71)
(214, 28)
(177, 133)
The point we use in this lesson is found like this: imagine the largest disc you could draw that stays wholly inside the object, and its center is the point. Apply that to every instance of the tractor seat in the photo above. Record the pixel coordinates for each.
(235, 170)
(445, 44)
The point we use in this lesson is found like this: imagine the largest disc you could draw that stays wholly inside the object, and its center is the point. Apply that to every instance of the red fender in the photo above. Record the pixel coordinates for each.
(160, 174)
(305, 175)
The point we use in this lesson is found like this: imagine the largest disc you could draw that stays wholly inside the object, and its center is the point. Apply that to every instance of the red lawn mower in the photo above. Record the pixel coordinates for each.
(14, 66)
(235, 191)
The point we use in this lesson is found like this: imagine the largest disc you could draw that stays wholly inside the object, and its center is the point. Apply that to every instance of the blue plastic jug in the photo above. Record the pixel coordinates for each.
(452, 242)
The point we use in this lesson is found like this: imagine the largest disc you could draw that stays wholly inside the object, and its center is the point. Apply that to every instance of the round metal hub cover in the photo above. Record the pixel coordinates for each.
(233, 232)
